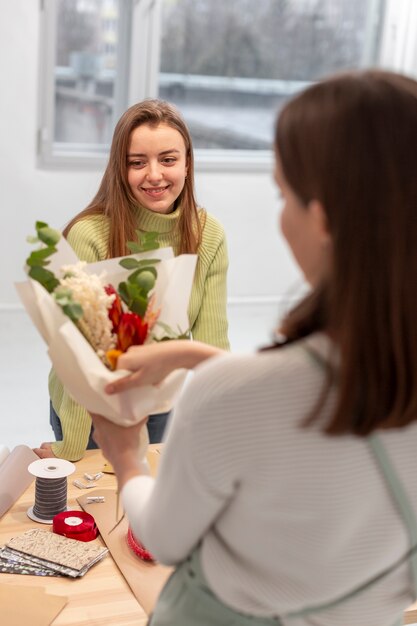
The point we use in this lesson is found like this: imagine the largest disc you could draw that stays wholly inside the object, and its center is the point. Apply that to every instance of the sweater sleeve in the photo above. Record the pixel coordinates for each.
(88, 238)
(210, 325)
(180, 503)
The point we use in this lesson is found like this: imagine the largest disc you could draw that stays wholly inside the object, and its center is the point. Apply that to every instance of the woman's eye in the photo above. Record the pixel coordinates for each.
(136, 164)
(169, 160)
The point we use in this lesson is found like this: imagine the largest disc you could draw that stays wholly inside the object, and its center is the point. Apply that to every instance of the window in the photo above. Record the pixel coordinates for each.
(84, 77)
(228, 66)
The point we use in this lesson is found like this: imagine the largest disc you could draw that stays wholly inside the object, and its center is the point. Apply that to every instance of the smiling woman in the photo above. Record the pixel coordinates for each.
(148, 186)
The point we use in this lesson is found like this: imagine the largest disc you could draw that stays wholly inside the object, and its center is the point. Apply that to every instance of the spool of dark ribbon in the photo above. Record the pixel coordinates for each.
(50, 488)
(77, 525)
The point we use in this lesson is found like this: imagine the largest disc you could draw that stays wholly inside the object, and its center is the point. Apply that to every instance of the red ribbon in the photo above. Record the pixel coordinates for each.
(77, 525)
(137, 547)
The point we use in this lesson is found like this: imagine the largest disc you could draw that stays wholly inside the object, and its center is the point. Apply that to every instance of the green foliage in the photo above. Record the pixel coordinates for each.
(37, 260)
(38, 257)
(131, 264)
(44, 277)
(135, 291)
(171, 334)
(145, 242)
(135, 298)
(71, 308)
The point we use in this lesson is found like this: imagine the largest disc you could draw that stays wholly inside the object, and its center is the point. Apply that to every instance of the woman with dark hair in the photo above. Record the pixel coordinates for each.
(287, 492)
(148, 186)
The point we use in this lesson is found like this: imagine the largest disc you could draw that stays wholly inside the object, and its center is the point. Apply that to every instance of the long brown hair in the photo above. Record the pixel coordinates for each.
(114, 198)
(350, 142)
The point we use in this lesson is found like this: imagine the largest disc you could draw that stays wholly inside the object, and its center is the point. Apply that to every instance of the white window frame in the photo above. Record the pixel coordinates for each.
(398, 49)
(137, 78)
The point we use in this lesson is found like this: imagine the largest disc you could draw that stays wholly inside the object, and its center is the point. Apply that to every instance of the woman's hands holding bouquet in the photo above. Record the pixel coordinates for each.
(120, 446)
(150, 364)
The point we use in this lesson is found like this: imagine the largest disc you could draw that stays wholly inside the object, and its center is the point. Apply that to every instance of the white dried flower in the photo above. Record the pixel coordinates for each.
(88, 290)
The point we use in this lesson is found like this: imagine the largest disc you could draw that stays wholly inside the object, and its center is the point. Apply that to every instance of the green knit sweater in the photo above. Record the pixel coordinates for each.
(207, 308)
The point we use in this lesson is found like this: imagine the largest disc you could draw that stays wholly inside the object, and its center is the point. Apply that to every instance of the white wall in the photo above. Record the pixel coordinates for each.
(245, 203)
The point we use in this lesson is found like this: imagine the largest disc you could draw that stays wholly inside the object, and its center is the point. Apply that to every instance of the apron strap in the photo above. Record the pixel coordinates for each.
(402, 502)
(398, 494)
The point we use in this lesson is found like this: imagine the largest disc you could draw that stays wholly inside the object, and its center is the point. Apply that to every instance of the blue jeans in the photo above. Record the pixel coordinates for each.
(156, 427)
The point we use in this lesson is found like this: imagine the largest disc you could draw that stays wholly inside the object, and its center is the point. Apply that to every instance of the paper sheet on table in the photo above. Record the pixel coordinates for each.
(75, 362)
(29, 605)
(14, 476)
(145, 579)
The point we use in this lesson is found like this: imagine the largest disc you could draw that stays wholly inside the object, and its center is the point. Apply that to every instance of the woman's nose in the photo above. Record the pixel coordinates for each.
(154, 171)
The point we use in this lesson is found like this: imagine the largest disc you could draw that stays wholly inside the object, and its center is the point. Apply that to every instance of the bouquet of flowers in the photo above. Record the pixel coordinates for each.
(89, 314)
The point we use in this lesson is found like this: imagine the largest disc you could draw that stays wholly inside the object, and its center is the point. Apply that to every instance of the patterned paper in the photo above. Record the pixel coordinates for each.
(55, 550)
(11, 567)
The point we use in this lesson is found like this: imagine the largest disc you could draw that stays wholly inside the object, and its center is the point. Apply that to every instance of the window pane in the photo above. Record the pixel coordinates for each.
(86, 57)
(230, 65)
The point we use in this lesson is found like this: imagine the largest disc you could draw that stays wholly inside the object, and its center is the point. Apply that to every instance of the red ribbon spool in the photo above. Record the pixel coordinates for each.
(77, 525)
(137, 547)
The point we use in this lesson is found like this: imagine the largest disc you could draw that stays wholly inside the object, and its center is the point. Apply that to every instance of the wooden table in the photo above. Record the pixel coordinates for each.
(410, 615)
(102, 597)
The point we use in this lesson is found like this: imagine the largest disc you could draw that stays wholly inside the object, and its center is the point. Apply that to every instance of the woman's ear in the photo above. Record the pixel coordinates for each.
(320, 221)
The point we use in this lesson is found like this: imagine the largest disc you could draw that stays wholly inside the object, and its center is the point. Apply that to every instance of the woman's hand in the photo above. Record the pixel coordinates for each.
(150, 364)
(45, 451)
(120, 446)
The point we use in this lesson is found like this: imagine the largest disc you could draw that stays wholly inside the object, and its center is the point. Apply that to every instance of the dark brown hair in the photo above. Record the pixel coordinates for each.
(114, 198)
(350, 142)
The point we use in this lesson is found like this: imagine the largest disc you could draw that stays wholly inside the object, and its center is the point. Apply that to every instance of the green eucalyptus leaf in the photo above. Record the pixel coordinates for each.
(134, 247)
(129, 263)
(37, 257)
(39, 225)
(62, 291)
(44, 277)
(149, 245)
(134, 278)
(139, 306)
(63, 301)
(145, 242)
(63, 296)
(124, 293)
(145, 262)
(171, 333)
(73, 310)
(145, 280)
(48, 235)
(134, 291)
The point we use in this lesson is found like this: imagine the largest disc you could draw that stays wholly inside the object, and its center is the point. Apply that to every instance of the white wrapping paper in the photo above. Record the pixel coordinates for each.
(78, 366)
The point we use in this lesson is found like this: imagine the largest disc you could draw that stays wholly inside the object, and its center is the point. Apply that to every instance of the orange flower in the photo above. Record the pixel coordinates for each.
(152, 314)
(111, 357)
(132, 331)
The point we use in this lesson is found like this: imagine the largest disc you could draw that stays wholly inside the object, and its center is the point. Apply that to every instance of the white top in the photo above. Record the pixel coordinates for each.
(288, 517)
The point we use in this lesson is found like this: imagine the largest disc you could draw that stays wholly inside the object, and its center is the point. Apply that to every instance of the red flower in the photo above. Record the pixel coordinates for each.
(132, 331)
(115, 311)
